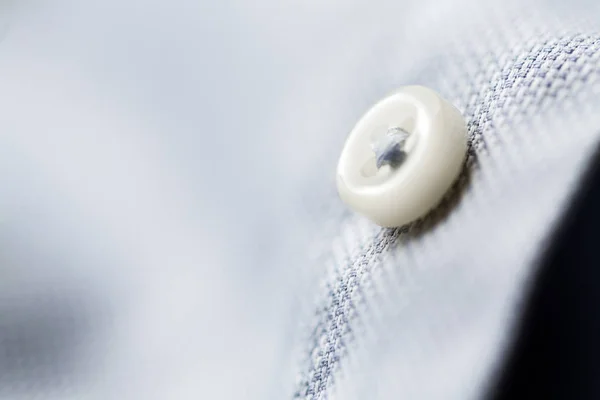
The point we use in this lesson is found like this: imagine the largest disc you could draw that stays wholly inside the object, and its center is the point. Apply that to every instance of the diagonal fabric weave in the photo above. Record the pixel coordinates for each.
(169, 227)
(425, 311)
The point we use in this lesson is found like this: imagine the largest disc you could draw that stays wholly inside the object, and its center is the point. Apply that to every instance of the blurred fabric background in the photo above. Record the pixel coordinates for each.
(166, 180)
(146, 202)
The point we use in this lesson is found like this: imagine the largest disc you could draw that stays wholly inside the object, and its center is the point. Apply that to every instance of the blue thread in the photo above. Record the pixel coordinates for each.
(389, 150)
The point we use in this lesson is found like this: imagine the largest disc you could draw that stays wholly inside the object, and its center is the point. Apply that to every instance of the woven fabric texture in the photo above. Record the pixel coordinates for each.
(426, 311)
(169, 226)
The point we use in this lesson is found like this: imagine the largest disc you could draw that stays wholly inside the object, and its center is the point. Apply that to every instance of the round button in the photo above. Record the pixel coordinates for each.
(402, 156)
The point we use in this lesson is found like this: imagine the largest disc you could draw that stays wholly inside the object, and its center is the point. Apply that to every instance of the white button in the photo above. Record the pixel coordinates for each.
(402, 156)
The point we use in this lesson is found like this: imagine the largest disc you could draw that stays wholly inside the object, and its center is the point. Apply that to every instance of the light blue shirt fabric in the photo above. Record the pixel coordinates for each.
(169, 227)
